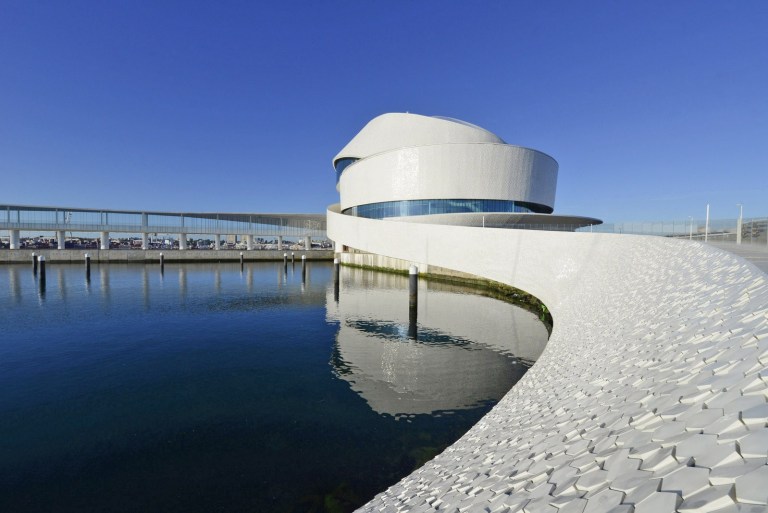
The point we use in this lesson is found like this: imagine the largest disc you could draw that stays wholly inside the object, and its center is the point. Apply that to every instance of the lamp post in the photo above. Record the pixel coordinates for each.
(739, 224)
(706, 225)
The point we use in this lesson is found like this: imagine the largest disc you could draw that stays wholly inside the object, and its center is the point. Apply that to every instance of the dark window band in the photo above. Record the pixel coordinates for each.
(342, 164)
(443, 206)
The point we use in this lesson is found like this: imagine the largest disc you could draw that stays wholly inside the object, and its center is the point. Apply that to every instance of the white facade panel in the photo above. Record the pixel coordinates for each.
(451, 171)
(401, 130)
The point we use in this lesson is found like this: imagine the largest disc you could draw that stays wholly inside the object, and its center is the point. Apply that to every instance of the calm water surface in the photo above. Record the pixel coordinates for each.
(207, 388)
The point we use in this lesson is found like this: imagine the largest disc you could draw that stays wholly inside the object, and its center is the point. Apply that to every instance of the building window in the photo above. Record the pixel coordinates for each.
(443, 206)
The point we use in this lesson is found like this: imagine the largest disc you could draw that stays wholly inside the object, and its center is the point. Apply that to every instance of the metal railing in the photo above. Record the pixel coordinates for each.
(48, 219)
(753, 230)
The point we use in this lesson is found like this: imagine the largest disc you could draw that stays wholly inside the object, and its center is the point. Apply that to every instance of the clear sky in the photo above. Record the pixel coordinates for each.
(652, 108)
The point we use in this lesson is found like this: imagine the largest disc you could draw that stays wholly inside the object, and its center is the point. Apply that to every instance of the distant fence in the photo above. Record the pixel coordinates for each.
(753, 230)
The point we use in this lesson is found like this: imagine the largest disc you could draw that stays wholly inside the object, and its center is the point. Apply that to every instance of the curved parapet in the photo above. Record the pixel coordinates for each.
(651, 392)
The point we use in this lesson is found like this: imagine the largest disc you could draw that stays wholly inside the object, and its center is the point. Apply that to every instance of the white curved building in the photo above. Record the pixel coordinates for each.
(406, 165)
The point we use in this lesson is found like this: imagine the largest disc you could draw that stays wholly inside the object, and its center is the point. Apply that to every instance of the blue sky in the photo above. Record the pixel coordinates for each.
(652, 108)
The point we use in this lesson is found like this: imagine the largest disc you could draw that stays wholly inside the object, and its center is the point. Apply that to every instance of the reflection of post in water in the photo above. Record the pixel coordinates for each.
(413, 301)
(182, 281)
(13, 278)
(62, 283)
(217, 280)
(104, 277)
(336, 279)
(249, 279)
(145, 287)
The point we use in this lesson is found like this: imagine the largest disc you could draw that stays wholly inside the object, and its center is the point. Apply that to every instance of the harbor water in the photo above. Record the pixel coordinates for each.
(211, 387)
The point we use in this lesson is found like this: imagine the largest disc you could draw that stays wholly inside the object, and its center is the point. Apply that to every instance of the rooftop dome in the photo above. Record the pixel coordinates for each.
(403, 130)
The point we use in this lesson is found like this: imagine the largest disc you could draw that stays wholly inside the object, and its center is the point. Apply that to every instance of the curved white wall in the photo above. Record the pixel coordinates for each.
(650, 395)
(451, 171)
(401, 130)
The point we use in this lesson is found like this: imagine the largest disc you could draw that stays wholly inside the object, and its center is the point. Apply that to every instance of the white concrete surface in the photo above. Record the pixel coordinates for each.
(401, 130)
(451, 171)
(14, 239)
(649, 397)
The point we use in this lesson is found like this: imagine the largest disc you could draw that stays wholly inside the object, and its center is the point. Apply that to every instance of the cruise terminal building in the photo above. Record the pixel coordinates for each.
(408, 167)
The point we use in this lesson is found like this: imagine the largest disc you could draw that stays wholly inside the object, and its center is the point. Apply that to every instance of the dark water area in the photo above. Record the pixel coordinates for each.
(210, 388)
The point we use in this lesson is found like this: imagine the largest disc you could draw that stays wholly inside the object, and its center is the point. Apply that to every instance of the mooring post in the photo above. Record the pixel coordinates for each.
(42, 271)
(303, 268)
(336, 279)
(413, 301)
(285, 262)
(162, 262)
(241, 260)
(293, 258)
(34, 263)
(413, 283)
(87, 266)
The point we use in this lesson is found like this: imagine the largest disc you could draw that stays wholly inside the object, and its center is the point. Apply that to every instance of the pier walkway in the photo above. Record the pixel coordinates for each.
(62, 221)
(755, 253)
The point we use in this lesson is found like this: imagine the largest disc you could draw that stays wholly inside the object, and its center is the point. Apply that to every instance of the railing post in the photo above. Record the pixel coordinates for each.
(706, 226)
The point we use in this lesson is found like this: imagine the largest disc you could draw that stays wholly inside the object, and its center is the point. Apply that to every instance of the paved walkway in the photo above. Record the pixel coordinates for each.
(755, 253)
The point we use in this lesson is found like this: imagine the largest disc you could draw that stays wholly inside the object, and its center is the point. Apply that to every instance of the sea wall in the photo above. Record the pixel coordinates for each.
(8, 256)
(649, 397)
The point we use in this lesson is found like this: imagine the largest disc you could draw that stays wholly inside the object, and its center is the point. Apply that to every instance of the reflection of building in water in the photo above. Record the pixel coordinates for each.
(463, 355)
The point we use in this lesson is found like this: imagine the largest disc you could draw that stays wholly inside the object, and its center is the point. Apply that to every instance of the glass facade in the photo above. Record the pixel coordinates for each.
(343, 164)
(442, 206)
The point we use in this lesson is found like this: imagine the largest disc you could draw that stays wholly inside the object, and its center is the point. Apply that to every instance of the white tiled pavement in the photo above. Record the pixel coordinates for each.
(651, 395)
